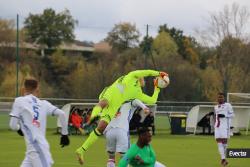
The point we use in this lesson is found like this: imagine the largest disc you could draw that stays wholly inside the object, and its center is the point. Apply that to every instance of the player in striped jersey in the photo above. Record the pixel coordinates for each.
(29, 117)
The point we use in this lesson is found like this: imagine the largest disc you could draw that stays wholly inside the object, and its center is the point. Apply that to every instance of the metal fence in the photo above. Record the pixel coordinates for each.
(162, 106)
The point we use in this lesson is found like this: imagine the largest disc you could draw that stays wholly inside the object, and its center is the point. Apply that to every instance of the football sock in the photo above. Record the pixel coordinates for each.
(111, 163)
(225, 148)
(111, 155)
(221, 150)
(91, 139)
(96, 110)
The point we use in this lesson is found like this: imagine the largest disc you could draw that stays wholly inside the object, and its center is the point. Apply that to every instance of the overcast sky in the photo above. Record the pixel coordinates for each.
(97, 17)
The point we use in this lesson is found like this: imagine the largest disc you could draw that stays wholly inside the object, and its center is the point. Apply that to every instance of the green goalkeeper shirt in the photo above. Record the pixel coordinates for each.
(126, 88)
(146, 153)
(130, 87)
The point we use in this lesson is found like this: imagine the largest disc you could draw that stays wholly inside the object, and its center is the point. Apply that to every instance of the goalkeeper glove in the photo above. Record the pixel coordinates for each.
(163, 74)
(20, 132)
(64, 140)
(221, 115)
(156, 82)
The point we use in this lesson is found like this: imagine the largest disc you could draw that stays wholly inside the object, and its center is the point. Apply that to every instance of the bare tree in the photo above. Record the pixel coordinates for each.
(230, 22)
(227, 33)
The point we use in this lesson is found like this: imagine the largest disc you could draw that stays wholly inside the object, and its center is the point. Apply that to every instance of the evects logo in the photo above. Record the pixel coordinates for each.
(238, 153)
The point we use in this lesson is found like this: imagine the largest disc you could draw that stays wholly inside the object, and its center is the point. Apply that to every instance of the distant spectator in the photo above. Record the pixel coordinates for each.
(76, 120)
(149, 122)
(135, 121)
(88, 125)
(84, 114)
(205, 123)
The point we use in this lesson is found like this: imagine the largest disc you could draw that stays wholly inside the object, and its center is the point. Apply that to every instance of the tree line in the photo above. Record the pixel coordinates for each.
(217, 59)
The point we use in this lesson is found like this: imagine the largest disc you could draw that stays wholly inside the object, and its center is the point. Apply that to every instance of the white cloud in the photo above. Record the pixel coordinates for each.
(97, 17)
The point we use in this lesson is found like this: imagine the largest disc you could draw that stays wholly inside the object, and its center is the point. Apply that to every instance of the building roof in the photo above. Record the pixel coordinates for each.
(102, 47)
(75, 46)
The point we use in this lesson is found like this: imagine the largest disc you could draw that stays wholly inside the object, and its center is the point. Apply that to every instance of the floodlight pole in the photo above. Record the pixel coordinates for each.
(17, 54)
(146, 55)
(146, 50)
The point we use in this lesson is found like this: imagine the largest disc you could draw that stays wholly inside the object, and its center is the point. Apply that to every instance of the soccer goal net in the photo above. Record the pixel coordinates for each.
(239, 98)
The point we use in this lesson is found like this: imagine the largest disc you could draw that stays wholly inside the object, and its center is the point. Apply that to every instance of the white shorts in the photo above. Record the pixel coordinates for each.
(158, 164)
(223, 133)
(33, 159)
(117, 140)
(37, 155)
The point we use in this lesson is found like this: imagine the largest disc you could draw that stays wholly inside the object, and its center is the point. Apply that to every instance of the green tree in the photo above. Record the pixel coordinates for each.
(130, 60)
(58, 67)
(164, 46)
(229, 55)
(146, 44)
(7, 39)
(211, 83)
(231, 62)
(184, 79)
(123, 36)
(8, 84)
(186, 45)
(50, 28)
(7, 31)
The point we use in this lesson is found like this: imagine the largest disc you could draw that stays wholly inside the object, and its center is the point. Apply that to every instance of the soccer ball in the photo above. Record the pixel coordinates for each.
(162, 82)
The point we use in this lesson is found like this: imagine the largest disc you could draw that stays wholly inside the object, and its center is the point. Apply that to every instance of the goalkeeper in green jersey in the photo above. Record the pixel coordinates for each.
(124, 88)
(141, 154)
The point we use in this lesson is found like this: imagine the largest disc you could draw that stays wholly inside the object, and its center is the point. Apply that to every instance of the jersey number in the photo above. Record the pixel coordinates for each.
(36, 114)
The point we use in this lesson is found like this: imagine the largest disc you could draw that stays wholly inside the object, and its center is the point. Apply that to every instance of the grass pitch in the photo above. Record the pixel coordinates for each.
(171, 150)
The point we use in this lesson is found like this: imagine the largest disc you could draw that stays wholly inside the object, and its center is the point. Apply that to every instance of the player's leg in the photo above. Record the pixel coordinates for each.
(98, 108)
(94, 135)
(111, 159)
(26, 162)
(32, 159)
(104, 98)
(111, 146)
(220, 148)
(222, 152)
(158, 164)
(224, 143)
(107, 114)
(114, 98)
(123, 141)
(221, 138)
(36, 160)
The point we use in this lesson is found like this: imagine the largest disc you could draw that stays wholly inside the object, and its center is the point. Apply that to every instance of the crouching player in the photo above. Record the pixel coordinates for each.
(223, 115)
(28, 118)
(117, 131)
(141, 154)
